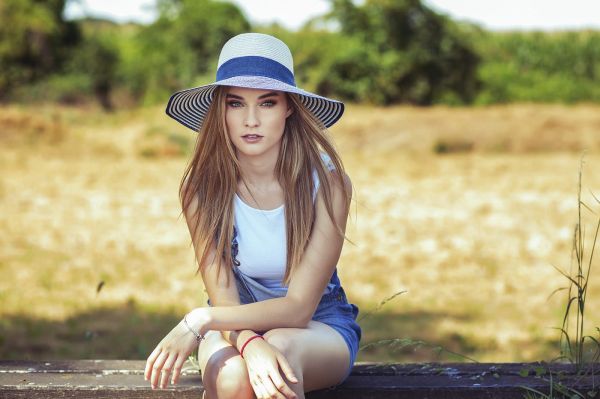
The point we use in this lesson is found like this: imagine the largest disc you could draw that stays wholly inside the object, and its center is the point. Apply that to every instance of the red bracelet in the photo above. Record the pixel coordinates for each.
(246, 343)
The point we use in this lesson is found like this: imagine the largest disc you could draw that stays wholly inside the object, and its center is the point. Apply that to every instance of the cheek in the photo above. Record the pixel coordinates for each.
(234, 125)
(229, 120)
(277, 122)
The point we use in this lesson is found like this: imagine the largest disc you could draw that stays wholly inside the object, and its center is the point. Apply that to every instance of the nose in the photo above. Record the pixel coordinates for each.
(251, 119)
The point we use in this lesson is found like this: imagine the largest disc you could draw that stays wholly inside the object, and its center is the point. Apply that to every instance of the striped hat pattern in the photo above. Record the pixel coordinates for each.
(251, 60)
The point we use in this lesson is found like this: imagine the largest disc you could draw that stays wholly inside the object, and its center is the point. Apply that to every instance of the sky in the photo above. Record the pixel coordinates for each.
(491, 14)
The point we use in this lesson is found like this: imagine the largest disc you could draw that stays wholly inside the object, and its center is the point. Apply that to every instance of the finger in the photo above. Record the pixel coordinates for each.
(150, 362)
(286, 368)
(158, 364)
(270, 388)
(166, 370)
(258, 388)
(177, 369)
(266, 391)
(281, 386)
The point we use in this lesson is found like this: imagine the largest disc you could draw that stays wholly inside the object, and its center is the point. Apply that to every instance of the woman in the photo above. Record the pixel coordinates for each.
(266, 201)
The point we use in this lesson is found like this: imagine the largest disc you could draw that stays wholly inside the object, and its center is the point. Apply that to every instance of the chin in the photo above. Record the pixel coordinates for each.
(254, 150)
(251, 152)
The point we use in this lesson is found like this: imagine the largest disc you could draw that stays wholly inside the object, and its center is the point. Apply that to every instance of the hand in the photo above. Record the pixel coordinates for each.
(173, 350)
(263, 361)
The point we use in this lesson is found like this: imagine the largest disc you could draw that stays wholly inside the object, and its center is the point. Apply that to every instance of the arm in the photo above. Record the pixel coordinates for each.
(307, 284)
(262, 360)
(222, 294)
(219, 292)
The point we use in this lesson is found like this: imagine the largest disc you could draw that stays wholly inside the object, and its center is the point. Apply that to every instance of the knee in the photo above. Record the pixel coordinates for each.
(227, 379)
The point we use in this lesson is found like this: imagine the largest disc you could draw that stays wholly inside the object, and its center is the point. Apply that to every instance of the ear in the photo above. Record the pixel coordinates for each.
(290, 111)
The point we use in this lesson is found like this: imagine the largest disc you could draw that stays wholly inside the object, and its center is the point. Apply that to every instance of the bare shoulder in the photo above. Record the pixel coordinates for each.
(191, 206)
(341, 184)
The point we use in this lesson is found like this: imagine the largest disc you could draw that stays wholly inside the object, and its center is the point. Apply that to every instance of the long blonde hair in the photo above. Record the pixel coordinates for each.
(211, 178)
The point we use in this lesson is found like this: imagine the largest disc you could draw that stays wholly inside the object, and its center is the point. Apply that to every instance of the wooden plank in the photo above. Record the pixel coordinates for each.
(360, 368)
(368, 368)
(78, 366)
(89, 379)
(100, 393)
(110, 378)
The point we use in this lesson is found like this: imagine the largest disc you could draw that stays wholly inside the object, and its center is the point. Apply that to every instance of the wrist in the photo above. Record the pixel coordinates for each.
(242, 336)
(255, 337)
(200, 320)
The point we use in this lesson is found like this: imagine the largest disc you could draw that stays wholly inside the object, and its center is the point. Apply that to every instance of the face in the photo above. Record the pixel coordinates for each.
(256, 119)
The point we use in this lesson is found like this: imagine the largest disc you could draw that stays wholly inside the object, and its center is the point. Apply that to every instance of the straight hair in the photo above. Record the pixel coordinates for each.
(211, 179)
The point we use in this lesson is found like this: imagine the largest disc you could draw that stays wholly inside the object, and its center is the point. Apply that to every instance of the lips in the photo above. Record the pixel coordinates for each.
(252, 138)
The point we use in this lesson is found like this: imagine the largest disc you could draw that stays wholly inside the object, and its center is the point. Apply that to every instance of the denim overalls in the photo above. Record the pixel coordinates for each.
(333, 309)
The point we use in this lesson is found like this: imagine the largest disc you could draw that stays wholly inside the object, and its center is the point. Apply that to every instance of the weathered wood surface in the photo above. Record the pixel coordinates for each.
(124, 379)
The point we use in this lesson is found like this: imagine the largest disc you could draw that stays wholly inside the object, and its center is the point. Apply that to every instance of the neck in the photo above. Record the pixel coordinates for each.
(259, 171)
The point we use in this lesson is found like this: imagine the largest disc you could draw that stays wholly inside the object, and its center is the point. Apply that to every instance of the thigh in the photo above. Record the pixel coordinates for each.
(319, 351)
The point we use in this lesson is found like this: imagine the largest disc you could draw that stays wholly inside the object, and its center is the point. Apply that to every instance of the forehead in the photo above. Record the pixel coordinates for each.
(252, 93)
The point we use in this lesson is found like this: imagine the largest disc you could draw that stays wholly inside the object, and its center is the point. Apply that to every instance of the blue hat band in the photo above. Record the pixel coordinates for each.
(255, 66)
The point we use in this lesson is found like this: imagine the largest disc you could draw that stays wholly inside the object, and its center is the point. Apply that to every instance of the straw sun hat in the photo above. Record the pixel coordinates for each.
(251, 60)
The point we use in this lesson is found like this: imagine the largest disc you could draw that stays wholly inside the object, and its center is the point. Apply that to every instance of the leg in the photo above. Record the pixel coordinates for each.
(318, 354)
(224, 373)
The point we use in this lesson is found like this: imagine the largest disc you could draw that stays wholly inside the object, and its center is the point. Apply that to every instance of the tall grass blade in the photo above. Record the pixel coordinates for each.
(596, 198)
(380, 305)
(574, 347)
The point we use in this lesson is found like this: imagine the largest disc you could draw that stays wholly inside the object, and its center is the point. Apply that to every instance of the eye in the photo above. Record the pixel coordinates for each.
(234, 103)
(269, 103)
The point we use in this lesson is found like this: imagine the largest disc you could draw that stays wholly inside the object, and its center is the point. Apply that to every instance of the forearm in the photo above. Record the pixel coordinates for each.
(235, 337)
(282, 312)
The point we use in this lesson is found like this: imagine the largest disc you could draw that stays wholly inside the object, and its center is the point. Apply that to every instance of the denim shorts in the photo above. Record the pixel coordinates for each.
(333, 309)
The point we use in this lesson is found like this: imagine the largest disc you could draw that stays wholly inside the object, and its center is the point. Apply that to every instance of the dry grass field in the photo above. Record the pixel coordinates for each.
(466, 209)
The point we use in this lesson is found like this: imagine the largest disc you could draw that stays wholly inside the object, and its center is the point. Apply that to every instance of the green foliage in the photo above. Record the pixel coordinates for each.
(70, 88)
(329, 63)
(541, 67)
(402, 52)
(380, 52)
(34, 41)
(96, 58)
(89, 70)
(385, 52)
(181, 47)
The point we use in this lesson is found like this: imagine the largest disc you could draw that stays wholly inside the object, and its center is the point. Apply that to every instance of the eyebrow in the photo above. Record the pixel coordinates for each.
(269, 94)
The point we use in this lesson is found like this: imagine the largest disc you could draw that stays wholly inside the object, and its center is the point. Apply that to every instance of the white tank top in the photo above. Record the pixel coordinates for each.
(261, 238)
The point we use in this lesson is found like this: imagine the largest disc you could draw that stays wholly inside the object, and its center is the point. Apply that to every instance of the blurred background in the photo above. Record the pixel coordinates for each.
(465, 126)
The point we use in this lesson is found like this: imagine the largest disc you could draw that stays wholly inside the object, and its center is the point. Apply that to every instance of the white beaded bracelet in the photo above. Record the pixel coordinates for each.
(198, 336)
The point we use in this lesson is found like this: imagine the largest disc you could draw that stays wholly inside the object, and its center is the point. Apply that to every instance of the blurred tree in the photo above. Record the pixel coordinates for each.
(332, 64)
(34, 39)
(181, 47)
(410, 53)
(538, 66)
(97, 58)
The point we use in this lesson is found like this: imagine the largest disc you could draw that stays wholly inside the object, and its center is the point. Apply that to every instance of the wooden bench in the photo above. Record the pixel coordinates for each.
(124, 379)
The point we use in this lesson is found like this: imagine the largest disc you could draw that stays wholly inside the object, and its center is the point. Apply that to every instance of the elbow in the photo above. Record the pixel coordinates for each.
(300, 313)
(302, 322)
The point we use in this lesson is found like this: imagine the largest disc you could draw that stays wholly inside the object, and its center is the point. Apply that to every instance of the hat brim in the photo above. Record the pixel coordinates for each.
(189, 107)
